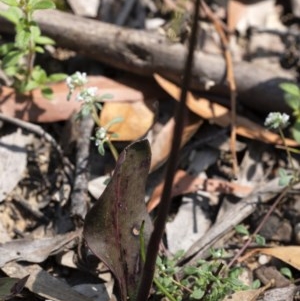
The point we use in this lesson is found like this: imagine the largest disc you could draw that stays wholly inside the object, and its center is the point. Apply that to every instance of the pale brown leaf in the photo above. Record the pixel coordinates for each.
(288, 254)
(222, 116)
(185, 183)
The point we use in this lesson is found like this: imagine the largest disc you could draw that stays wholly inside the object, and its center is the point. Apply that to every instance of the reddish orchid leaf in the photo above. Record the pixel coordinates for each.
(10, 287)
(111, 227)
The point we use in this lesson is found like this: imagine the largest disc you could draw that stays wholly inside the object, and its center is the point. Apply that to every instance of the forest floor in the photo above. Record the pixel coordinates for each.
(236, 184)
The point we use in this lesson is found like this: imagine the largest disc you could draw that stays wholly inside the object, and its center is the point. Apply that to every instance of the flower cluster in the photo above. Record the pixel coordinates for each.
(87, 95)
(277, 120)
(91, 104)
(74, 81)
(100, 138)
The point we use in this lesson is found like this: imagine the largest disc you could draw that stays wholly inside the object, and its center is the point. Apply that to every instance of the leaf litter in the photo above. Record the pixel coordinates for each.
(39, 236)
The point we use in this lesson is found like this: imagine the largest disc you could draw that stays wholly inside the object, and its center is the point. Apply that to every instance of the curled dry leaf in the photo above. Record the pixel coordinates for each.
(36, 250)
(138, 118)
(39, 109)
(9, 287)
(185, 183)
(289, 254)
(222, 116)
(13, 161)
(43, 284)
(161, 147)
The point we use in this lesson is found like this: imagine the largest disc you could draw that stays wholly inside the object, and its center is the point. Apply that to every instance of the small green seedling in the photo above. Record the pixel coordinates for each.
(18, 57)
(287, 273)
(242, 230)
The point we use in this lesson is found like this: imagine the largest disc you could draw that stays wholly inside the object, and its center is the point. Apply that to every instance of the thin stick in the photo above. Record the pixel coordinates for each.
(39, 131)
(230, 80)
(159, 227)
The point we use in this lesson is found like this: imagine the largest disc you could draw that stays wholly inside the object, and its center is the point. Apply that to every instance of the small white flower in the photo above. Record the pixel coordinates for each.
(87, 95)
(277, 120)
(76, 80)
(101, 133)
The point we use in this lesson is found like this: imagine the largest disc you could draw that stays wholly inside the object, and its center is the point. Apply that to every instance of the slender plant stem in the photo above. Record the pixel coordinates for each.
(110, 145)
(113, 150)
(95, 116)
(159, 227)
(290, 159)
(31, 45)
(259, 227)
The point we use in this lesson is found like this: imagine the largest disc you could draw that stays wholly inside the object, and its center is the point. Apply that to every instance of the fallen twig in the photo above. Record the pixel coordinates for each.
(144, 53)
(230, 80)
(79, 193)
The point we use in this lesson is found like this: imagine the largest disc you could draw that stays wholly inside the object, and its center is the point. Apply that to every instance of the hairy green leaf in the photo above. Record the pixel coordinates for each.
(12, 14)
(39, 75)
(284, 177)
(56, 77)
(112, 226)
(10, 2)
(296, 131)
(22, 39)
(31, 85)
(35, 31)
(11, 71)
(42, 40)
(260, 240)
(12, 58)
(39, 49)
(241, 229)
(43, 4)
(5, 48)
(286, 272)
(290, 88)
(47, 93)
(197, 294)
(10, 287)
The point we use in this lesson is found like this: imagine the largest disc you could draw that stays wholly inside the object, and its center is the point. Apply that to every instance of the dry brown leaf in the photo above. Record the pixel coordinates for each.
(13, 161)
(43, 283)
(161, 147)
(245, 14)
(186, 183)
(250, 295)
(34, 250)
(235, 12)
(37, 108)
(222, 116)
(138, 118)
(289, 254)
(40, 109)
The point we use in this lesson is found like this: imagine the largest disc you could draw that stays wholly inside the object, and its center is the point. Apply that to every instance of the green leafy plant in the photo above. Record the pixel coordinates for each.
(292, 98)
(206, 281)
(242, 230)
(18, 57)
(287, 273)
(10, 287)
